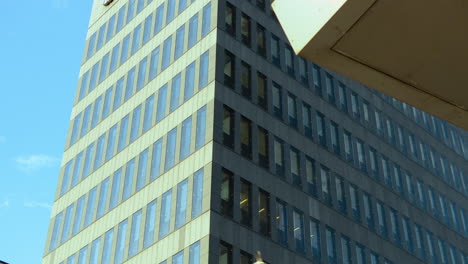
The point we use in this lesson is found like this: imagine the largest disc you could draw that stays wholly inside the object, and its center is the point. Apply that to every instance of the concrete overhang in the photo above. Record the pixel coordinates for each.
(413, 50)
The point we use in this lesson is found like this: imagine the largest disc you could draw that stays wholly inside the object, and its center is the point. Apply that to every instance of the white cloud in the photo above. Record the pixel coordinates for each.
(35, 162)
(2, 139)
(5, 204)
(35, 204)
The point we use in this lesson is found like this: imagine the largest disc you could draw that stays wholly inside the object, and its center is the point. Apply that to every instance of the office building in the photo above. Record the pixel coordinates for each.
(197, 136)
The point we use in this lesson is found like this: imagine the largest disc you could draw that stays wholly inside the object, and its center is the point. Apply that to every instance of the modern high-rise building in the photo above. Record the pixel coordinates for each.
(197, 136)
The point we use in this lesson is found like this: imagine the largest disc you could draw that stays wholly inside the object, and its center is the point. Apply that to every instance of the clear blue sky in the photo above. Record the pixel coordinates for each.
(41, 44)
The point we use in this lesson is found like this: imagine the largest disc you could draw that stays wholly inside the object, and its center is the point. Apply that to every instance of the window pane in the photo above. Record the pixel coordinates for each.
(115, 192)
(123, 133)
(128, 181)
(130, 84)
(298, 225)
(193, 31)
(147, 30)
(99, 150)
(227, 192)
(76, 170)
(118, 93)
(167, 50)
(141, 74)
(161, 109)
(96, 245)
(90, 205)
(55, 231)
(281, 222)
(133, 246)
(158, 23)
(197, 193)
(135, 129)
(180, 39)
(181, 207)
(110, 150)
(107, 249)
(142, 168)
(156, 160)
(165, 214)
(194, 255)
(170, 11)
(170, 149)
(315, 241)
(148, 115)
(206, 22)
(150, 224)
(103, 191)
(121, 238)
(67, 223)
(175, 92)
(153, 71)
(204, 65)
(78, 215)
(185, 142)
(96, 112)
(331, 247)
(246, 203)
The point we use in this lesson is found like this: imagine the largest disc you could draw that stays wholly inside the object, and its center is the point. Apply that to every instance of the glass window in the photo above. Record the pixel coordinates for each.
(330, 88)
(133, 246)
(298, 225)
(225, 253)
(246, 203)
(245, 258)
(264, 212)
(76, 170)
(261, 40)
(325, 179)
(279, 157)
(170, 149)
(90, 205)
(397, 178)
(315, 242)
(246, 137)
(121, 239)
(130, 84)
(335, 137)
(311, 177)
(107, 248)
(181, 207)
(346, 254)
(141, 74)
(275, 50)
(201, 128)
(245, 29)
(321, 129)
(178, 258)
(162, 98)
(204, 65)
(228, 127)
(331, 247)
(96, 112)
(368, 211)
(85, 124)
(91, 46)
(142, 168)
(282, 222)
(382, 219)
(120, 18)
(227, 192)
(94, 254)
(386, 170)
(431, 247)
(182, 5)
(175, 92)
(55, 231)
(115, 192)
(94, 73)
(165, 214)
(419, 242)
(66, 177)
(355, 207)
(373, 162)
(153, 70)
(229, 66)
(277, 101)
(128, 181)
(189, 81)
(83, 255)
(104, 66)
(170, 11)
(158, 23)
(246, 90)
(197, 193)
(149, 224)
(88, 160)
(167, 50)
(123, 133)
(206, 21)
(118, 93)
(185, 138)
(131, 10)
(83, 85)
(110, 149)
(76, 129)
(409, 186)
(262, 91)
(193, 31)
(99, 150)
(442, 251)
(395, 226)
(365, 110)
(292, 110)
(156, 160)
(348, 146)
(67, 223)
(317, 80)
(230, 19)
(263, 148)
(78, 215)
(148, 114)
(102, 202)
(340, 194)
(360, 254)
(135, 129)
(179, 43)
(303, 72)
(361, 155)
(355, 105)
(147, 30)
(307, 120)
(124, 50)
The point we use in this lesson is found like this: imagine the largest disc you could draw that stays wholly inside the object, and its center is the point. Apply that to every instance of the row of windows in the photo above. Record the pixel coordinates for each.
(133, 82)
(388, 223)
(128, 130)
(384, 126)
(150, 66)
(390, 174)
(118, 188)
(112, 246)
(442, 130)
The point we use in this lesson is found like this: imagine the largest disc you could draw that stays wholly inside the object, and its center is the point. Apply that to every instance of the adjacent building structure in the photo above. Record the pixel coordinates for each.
(197, 136)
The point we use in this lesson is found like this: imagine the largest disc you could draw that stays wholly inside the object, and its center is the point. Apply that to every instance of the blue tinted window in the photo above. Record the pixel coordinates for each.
(104, 65)
(321, 129)
(135, 234)
(88, 159)
(150, 224)
(120, 246)
(170, 149)
(360, 254)
(123, 134)
(175, 92)
(130, 82)
(282, 222)
(165, 214)
(91, 44)
(394, 223)
(298, 225)
(85, 124)
(83, 255)
(120, 18)
(131, 10)
(90, 205)
(147, 30)
(94, 73)
(128, 182)
(77, 169)
(84, 85)
(166, 57)
(178, 258)
(110, 28)
(141, 74)
(203, 78)
(78, 215)
(148, 115)
(135, 132)
(408, 234)
(67, 223)
(96, 111)
(181, 207)
(55, 231)
(331, 247)
(197, 193)
(193, 31)
(194, 255)
(118, 93)
(96, 245)
(140, 5)
(107, 103)
(158, 23)
(156, 160)
(182, 5)
(76, 129)
(111, 142)
(206, 22)
(102, 202)
(66, 177)
(161, 109)
(179, 44)
(153, 71)
(107, 248)
(125, 47)
(142, 168)
(114, 196)
(136, 39)
(185, 138)
(189, 81)
(170, 11)
(382, 219)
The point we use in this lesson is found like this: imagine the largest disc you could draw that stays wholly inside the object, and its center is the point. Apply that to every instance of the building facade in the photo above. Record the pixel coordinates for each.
(197, 136)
